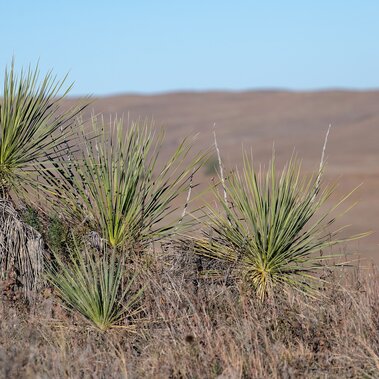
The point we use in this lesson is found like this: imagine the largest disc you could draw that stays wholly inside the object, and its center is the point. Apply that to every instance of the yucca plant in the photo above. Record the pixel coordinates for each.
(34, 127)
(118, 187)
(269, 227)
(93, 285)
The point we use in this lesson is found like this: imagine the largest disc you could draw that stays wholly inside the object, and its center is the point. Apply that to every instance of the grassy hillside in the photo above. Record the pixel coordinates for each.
(126, 253)
(290, 120)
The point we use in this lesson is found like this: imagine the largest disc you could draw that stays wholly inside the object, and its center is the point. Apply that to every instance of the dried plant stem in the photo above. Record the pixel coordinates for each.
(322, 162)
(188, 197)
(220, 164)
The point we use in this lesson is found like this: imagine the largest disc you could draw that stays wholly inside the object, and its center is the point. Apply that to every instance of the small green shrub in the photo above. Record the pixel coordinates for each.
(54, 231)
(93, 285)
(117, 188)
(33, 128)
(56, 234)
(31, 217)
(266, 227)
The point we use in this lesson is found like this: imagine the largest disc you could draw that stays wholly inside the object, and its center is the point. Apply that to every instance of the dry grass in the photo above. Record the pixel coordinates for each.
(194, 328)
(184, 325)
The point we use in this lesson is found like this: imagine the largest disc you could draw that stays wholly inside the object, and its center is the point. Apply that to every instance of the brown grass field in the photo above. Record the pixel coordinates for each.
(288, 120)
(191, 326)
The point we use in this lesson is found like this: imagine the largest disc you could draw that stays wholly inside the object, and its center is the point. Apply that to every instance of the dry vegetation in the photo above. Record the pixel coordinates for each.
(102, 278)
(190, 328)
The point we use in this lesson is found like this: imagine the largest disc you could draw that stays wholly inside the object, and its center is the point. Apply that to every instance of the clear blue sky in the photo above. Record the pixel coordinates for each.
(154, 46)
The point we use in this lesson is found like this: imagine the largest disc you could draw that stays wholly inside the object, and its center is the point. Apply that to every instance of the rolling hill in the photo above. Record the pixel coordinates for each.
(259, 120)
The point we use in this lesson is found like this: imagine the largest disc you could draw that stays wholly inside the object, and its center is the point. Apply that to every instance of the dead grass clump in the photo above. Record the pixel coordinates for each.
(21, 254)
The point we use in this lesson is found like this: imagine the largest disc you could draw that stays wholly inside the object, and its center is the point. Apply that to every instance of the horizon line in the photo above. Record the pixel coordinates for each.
(229, 91)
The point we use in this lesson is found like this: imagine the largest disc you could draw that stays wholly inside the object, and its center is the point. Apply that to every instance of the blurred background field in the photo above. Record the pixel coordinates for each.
(289, 121)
